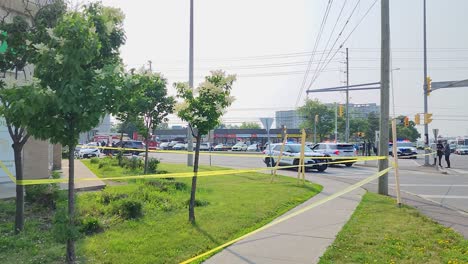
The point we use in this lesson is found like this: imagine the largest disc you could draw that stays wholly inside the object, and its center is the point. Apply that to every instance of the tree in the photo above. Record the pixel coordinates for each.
(249, 125)
(410, 132)
(151, 103)
(71, 64)
(326, 118)
(20, 100)
(202, 109)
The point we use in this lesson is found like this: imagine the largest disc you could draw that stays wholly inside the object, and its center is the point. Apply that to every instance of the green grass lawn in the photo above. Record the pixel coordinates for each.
(229, 206)
(380, 232)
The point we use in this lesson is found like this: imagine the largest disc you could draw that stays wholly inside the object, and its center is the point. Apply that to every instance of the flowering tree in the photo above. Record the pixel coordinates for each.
(202, 109)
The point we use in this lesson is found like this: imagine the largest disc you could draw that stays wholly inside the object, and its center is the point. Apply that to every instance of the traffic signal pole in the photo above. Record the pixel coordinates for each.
(425, 90)
(189, 130)
(384, 94)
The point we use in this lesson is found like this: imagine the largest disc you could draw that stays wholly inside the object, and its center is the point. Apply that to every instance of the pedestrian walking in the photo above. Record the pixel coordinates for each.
(364, 148)
(447, 154)
(440, 152)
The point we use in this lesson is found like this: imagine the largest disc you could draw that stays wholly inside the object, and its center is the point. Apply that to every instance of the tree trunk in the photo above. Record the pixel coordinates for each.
(71, 258)
(194, 181)
(146, 154)
(19, 218)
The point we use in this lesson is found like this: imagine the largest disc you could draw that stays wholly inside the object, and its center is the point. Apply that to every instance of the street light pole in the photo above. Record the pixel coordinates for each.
(426, 126)
(189, 130)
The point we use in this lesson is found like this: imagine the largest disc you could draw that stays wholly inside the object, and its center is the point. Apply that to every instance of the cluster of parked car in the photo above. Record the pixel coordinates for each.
(91, 149)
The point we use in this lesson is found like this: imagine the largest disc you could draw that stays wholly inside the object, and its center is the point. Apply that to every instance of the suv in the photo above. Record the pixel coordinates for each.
(404, 149)
(131, 144)
(205, 146)
(291, 155)
(337, 150)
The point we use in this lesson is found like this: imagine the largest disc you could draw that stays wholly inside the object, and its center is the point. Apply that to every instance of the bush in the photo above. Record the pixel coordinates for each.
(44, 195)
(107, 198)
(95, 160)
(61, 229)
(133, 163)
(153, 165)
(161, 186)
(180, 186)
(127, 208)
(90, 225)
(198, 203)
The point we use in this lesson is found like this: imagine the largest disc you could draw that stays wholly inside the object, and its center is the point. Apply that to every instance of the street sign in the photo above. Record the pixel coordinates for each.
(266, 122)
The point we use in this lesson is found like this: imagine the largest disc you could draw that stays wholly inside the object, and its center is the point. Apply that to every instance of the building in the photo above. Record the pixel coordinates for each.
(39, 157)
(363, 110)
(289, 119)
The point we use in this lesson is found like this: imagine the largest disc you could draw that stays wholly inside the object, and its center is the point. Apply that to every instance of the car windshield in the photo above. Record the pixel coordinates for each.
(239, 144)
(297, 148)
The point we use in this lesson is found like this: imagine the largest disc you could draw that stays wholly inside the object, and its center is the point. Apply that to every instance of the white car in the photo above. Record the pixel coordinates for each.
(89, 150)
(253, 147)
(239, 147)
(205, 146)
(461, 150)
(341, 150)
(291, 155)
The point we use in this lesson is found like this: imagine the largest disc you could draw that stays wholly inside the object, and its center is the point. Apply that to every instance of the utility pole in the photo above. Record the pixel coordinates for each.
(384, 94)
(347, 97)
(426, 126)
(150, 62)
(336, 122)
(315, 128)
(189, 130)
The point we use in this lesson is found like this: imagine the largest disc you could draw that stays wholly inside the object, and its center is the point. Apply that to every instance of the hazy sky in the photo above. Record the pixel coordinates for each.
(268, 44)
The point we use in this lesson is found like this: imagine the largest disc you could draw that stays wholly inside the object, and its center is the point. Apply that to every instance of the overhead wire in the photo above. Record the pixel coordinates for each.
(317, 40)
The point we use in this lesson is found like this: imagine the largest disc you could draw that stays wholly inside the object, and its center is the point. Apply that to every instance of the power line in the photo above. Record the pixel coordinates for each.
(324, 20)
(342, 44)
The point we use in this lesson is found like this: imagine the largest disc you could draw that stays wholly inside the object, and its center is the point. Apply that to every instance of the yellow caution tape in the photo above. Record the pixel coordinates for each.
(313, 205)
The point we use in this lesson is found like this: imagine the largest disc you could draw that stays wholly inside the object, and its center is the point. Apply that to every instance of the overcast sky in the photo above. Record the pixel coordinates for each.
(268, 44)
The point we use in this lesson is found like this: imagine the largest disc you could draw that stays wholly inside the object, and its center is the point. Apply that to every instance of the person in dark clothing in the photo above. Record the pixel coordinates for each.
(369, 147)
(364, 148)
(447, 154)
(440, 152)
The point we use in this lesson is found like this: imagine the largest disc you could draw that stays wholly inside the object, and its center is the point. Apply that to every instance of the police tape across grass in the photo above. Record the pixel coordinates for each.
(282, 219)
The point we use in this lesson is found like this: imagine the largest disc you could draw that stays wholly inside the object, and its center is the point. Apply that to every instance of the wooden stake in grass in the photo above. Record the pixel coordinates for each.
(395, 161)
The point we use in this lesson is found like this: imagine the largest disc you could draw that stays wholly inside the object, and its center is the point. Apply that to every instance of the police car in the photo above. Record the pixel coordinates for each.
(404, 149)
(291, 156)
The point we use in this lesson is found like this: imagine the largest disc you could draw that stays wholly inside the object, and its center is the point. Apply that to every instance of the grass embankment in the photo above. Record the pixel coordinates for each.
(228, 206)
(380, 232)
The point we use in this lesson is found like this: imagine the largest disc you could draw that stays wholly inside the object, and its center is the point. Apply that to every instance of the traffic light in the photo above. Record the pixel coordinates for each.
(406, 120)
(417, 119)
(429, 85)
(340, 111)
(427, 118)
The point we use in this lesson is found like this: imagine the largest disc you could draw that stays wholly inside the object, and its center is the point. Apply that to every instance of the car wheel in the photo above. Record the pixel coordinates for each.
(349, 164)
(322, 168)
(269, 163)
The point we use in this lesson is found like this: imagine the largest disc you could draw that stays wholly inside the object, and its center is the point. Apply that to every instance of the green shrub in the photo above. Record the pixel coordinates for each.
(44, 195)
(127, 208)
(180, 186)
(159, 185)
(94, 160)
(153, 165)
(90, 225)
(198, 203)
(107, 197)
(61, 229)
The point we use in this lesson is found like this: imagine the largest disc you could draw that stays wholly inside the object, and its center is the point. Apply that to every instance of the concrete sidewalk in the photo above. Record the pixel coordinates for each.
(81, 172)
(301, 239)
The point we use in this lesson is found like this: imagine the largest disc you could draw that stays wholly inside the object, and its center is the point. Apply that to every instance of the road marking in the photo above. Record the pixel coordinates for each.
(444, 196)
(432, 185)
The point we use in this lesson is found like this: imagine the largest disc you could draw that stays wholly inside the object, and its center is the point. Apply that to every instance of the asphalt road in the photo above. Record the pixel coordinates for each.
(447, 189)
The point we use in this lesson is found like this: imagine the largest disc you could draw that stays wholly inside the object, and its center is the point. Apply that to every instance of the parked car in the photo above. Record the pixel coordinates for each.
(89, 150)
(404, 149)
(239, 147)
(461, 150)
(139, 146)
(253, 147)
(291, 155)
(164, 145)
(341, 150)
(179, 146)
(205, 146)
